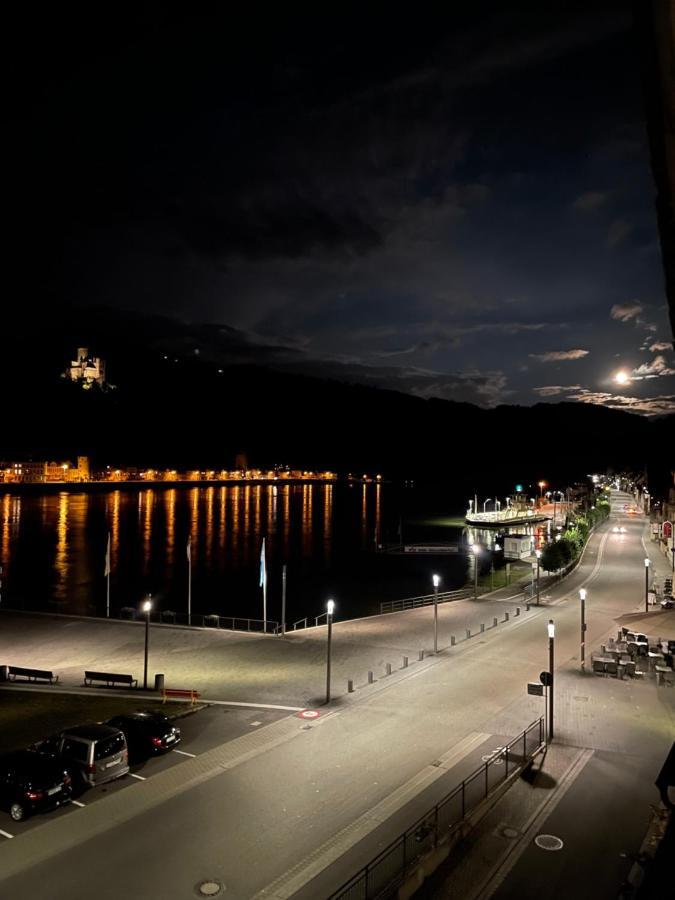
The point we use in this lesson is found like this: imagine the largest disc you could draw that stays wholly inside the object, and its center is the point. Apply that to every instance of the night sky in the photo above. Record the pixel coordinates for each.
(452, 204)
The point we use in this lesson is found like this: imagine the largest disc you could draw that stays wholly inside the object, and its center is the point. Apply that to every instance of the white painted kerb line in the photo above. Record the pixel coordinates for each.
(185, 753)
(6, 834)
(140, 777)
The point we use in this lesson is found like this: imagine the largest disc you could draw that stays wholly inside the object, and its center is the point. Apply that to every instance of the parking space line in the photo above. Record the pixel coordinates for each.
(77, 803)
(140, 777)
(6, 834)
(185, 753)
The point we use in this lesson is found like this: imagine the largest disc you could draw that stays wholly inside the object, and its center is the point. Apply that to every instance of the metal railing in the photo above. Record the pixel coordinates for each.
(198, 620)
(387, 606)
(387, 870)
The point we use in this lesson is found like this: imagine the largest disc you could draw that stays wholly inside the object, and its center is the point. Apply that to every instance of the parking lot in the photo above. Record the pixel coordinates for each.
(201, 730)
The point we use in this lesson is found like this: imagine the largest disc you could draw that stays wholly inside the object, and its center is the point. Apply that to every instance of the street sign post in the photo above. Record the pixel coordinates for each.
(536, 688)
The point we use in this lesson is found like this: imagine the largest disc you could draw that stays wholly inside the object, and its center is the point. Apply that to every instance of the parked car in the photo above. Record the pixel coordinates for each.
(147, 733)
(667, 602)
(31, 784)
(98, 753)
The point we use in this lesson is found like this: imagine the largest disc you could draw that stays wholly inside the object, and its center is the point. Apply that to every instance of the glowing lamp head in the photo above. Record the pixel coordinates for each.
(582, 593)
(537, 553)
(436, 580)
(147, 606)
(497, 548)
(551, 628)
(475, 549)
(647, 563)
(330, 607)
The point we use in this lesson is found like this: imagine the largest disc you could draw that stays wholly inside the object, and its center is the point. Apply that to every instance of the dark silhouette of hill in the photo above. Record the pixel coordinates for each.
(174, 407)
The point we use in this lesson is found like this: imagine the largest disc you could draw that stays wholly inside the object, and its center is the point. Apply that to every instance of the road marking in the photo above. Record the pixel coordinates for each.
(77, 803)
(303, 872)
(255, 723)
(6, 834)
(140, 777)
(185, 753)
(252, 705)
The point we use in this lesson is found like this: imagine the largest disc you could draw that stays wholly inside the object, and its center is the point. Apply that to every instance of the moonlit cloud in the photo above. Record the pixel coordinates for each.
(624, 312)
(559, 355)
(555, 390)
(657, 367)
(649, 406)
(661, 345)
(590, 201)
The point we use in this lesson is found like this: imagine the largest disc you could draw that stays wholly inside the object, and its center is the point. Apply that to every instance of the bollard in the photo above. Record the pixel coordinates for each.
(482, 628)
(495, 622)
(468, 633)
(517, 610)
(527, 607)
(452, 640)
(405, 662)
(370, 677)
(4, 673)
(421, 655)
(506, 617)
(159, 682)
(387, 669)
(350, 686)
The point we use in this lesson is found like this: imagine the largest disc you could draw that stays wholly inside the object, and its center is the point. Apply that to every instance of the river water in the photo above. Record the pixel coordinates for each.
(53, 547)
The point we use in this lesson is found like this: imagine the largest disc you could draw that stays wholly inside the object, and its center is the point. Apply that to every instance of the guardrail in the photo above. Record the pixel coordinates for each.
(387, 606)
(388, 869)
(229, 623)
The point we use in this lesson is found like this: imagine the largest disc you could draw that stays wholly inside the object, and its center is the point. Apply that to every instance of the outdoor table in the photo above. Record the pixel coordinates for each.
(660, 672)
(654, 658)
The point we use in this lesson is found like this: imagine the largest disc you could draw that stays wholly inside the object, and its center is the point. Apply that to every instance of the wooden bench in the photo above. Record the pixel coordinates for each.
(110, 678)
(31, 674)
(193, 696)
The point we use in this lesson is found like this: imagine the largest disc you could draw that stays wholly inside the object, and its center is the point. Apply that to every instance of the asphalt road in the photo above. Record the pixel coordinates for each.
(271, 809)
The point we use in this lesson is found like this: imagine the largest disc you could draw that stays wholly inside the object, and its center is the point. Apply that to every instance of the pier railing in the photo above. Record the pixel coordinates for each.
(389, 869)
(387, 606)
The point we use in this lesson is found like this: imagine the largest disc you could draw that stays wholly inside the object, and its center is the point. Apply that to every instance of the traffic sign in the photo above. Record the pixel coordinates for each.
(536, 688)
(308, 714)
(667, 529)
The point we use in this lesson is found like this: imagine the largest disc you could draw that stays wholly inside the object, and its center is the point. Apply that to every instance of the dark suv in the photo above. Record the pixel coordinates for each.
(30, 784)
(147, 733)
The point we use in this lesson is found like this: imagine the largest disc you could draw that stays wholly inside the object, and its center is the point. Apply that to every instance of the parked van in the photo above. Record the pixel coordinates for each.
(98, 753)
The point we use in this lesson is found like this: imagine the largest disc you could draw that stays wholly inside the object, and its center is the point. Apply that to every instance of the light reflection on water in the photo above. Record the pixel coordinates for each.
(53, 546)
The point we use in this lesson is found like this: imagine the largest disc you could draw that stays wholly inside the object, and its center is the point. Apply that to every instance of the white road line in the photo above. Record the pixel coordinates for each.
(77, 803)
(255, 723)
(253, 705)
(184, 753)
(140, 777)
(6, 834)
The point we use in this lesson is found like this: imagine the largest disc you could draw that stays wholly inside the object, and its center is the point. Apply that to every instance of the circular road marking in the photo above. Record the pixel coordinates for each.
(308, 714)
(210, 888)
(548, 842)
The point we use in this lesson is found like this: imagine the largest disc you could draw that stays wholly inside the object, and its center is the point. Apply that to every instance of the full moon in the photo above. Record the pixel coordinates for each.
(622, 377)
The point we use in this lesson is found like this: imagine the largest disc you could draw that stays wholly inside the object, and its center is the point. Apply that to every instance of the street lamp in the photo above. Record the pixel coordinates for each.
(436, 580)
(147, 606)
(495, 549)
(475, 549)
(646, 584)
(330, 606)
(551, 642)
(582, 599)
(537, 553)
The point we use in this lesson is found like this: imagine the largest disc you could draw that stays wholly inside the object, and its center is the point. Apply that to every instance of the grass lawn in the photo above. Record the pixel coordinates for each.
(29, 716)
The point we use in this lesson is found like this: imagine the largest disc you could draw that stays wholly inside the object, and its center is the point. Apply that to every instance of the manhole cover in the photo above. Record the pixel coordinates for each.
(510, 832)
(210, 888)
(548, 842)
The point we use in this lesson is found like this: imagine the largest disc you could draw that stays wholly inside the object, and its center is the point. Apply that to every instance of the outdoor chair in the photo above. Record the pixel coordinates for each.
(599, 667)
(610, 668)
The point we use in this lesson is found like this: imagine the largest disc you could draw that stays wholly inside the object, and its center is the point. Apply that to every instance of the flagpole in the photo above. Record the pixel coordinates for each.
(283, 601)
(107, 575)
(189, 602)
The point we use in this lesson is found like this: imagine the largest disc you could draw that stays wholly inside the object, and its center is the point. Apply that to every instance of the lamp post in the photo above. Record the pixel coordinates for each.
(551, 649)
(495, 549)
(436, 580)
(537, 553)
(646, 584)
(582, 601)
(147, 606)
(330, 606)
(475, 549)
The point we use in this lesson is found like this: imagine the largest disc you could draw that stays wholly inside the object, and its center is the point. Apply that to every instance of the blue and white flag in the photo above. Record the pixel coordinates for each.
(263, 566)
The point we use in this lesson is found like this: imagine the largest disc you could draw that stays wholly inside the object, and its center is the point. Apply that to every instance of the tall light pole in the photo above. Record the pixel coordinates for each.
(330, 606)
(147, 606)
(537, 553)
(436, 580)
(582, 600)
(646, 584)
(475, 549)
(551, 649)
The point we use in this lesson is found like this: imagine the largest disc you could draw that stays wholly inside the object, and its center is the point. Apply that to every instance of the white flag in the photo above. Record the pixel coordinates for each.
(107, 558)
(263, 566)
(189, 548)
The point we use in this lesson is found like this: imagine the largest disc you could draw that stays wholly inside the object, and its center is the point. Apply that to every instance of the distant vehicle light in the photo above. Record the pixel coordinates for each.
(622, 530)
(615, 529)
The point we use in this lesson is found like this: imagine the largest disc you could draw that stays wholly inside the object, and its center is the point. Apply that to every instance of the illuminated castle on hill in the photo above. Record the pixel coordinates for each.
(86, 369)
